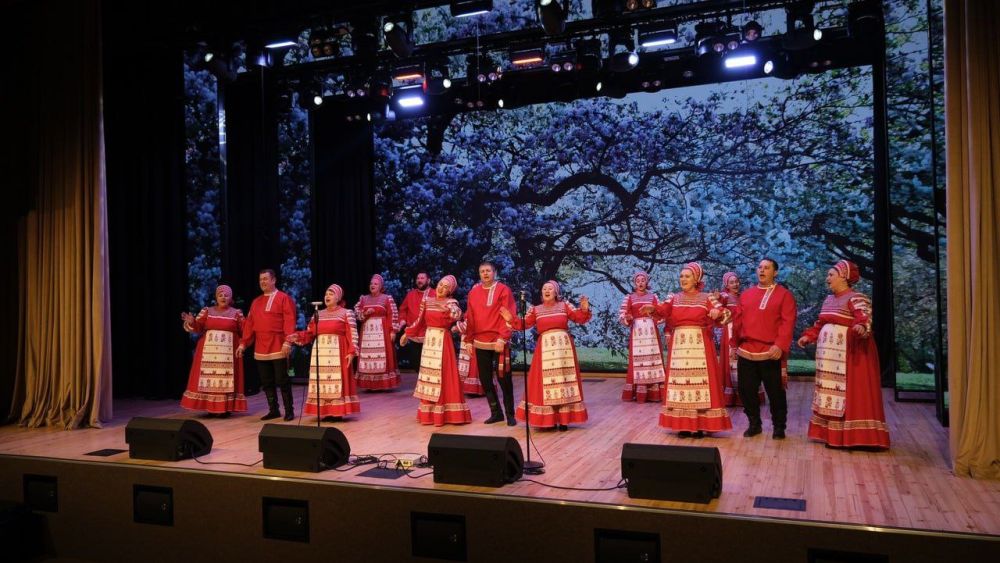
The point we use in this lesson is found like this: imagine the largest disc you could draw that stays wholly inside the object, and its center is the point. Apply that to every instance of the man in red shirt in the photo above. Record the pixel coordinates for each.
(408, 312)
(270, 320)
(488, 333)
(763, 336)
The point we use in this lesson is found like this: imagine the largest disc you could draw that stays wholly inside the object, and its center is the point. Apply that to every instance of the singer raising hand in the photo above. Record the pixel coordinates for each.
(215, 384)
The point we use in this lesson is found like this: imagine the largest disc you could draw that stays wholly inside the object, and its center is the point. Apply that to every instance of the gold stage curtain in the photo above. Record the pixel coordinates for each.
(972, 116)
(64, 355)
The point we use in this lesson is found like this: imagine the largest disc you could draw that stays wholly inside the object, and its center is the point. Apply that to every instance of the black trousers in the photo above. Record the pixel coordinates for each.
(751, 375)
(273, 373)
(412, 354)
(485, 360)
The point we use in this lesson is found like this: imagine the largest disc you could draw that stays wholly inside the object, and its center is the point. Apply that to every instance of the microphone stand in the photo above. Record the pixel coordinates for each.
(530, 467)
(316, 354)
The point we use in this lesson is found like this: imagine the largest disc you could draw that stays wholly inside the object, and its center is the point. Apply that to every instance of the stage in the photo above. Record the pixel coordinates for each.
(910, 486)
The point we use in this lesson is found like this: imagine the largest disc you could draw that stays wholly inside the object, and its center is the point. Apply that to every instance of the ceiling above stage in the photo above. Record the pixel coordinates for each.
(419, 57)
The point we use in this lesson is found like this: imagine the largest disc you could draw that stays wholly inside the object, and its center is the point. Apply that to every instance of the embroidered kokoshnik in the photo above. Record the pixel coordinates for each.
(831, 370)
(217, 369)
(647, 359)
(429, 377)
(559, 381)
(326, 353)
(688, 382)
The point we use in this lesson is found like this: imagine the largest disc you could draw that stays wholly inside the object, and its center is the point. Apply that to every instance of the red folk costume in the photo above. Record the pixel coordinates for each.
(377, 362)
(727, 351)
(646, 374)
(438, 387)
(270, 321)
(468, 368)
(338, 339)
(554, 388)
(215, 383)
(771, 322)
(847, 404)
(484, 325)
(694, 399)
(410, 308)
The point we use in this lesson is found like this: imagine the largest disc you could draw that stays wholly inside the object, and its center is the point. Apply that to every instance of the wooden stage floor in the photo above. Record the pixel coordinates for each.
(910, 486)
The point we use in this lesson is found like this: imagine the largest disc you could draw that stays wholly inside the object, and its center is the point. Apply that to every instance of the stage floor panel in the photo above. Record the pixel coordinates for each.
(909, 486)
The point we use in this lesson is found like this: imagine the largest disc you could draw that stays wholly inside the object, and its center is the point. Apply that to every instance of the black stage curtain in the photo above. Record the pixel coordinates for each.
(343, 228)
(252, 199)
(144, 131)
(17, 162)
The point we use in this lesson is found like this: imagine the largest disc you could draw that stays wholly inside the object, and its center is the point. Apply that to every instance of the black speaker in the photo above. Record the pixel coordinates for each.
(166, 439)
(303, 448)
(680, 473)
(489, 461)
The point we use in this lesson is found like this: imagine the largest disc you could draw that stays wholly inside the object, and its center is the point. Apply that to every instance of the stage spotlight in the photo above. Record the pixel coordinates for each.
(325, 41)
(500, 103)
(612, 88)
(768, 67)
(364, 37)
(800, 31)
(482, 69)
(864, 19)
(397, 37)
(636, 5)
(624, 61)
(408, 73)
(622, 50)
(409, 98)
(588, 55)
(599, 86)
(710, 38)
(651, 84)
(564, 62)
(740, 59)
(310, 95)
(752, 31)
(657, 35)
(527, 57)
(552, 15)
(466, 8)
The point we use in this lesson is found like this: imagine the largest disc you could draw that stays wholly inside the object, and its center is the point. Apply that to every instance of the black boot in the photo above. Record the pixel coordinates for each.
(286, 397)
(272, 404)
(496, 415)
(753, 429)
(507, 386)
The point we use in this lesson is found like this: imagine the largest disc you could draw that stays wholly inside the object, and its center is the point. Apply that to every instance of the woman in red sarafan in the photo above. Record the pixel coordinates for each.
(335, 346)
(694, 402)
(730, 298)
(438, 387)
(555, 396)
(847, 404)
(215, 383)
(380, 320)
(645, 376)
